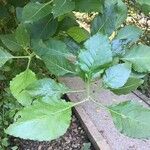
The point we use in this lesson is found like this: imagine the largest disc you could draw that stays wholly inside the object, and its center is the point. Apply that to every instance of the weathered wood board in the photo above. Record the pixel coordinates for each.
(98, 123)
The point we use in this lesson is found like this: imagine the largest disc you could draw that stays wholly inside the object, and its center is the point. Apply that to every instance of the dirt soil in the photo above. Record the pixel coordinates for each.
(74, 139)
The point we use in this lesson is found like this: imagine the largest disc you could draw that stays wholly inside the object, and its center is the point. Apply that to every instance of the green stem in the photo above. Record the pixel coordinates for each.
(29, 62)
(99, 104)
(26, 49)
(20, 57)
(88, 89)
(76, 91)
(75, 104)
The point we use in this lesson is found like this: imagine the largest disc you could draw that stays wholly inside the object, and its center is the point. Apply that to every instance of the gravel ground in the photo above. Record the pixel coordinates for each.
(74, 139)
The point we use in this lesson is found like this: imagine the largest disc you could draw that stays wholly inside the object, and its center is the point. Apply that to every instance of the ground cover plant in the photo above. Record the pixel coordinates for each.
(47, 31)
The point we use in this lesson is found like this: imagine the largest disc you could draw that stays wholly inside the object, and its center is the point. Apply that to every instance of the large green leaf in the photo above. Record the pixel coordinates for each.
(72, 46)
(18, 85)
(114, 14)
(47, 89)
(22, 36)
(119, 47)
(67, 21)
(78, 34)
(131, 119)
(36, 11)
(62, 7)
(10, 42)
(43, 28)
(130, 33)
(41, 121)
(97, 53)
(139, 56)
(144, 5)
(117, 75)
(131, 85)
(55, 55)
(89, 5)
(4, 56)
(121, 12)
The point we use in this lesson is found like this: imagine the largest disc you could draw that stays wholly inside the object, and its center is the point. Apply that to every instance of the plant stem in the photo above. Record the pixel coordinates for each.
(29, 61)
(100, 104)
(75, 104)
(76, 91)
(88, 89)
(20, 57)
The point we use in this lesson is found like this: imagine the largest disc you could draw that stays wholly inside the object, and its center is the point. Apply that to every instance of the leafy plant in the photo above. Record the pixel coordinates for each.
(48, 32)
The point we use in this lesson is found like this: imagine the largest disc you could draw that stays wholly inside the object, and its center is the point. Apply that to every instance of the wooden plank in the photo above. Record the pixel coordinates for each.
(97, 121)
(94, 135)
(142, 97)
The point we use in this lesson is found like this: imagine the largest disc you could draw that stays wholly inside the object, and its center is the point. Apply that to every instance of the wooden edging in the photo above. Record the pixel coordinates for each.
(98, 129)
(142, 97)
(98, 141)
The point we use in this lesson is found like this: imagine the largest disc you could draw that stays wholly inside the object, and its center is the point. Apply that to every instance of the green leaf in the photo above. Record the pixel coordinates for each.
(22, 36)
(89, 5)
(115, 13)
(97, 53)
(130, 33)
(121, 13)
(4, 13)
(131, 85)
(46, 88)
(131, 119)
(78, 34)
(72, 46)
(144, 5)
(67, 22)
(55, 55)
(62, 7)
(43, 28)
(118, 47)
(4, 56)
(35, 11)
(10, 42)
(139, 56)
(117, 75)
(41, 121)
(18, 85)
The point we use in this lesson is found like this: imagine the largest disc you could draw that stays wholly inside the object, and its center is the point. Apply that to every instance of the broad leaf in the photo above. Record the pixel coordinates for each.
(72, 46)
(78, 34)
(19, 13)
(41, 121)
(130, 33)
(144, 5)
(10, 42)
(114, 14)
(4, 56)
(22, 36)
(47, 89)
(131, 85)
(35, 11)
(43, 28)
(18, 85)
(117, 75)
(62, 7)
(139, 56)
(89, 5)
(67, 22)
(121, 13)
(118, 47)
(97, 53)
(131, 119)
(56, 56)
